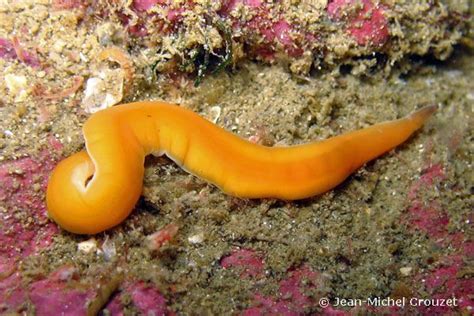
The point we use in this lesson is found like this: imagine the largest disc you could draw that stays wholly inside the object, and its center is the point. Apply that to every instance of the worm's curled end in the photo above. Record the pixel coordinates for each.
(77, 205)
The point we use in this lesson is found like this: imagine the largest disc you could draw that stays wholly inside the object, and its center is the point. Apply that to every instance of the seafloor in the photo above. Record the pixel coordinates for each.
(400, 227)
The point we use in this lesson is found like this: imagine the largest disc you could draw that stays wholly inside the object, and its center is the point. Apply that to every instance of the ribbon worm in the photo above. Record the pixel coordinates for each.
(96, 189)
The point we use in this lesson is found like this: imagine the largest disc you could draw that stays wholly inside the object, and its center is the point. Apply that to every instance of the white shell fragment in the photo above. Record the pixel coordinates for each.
(196, 239)
(87, 246)
(405, 271)
(103, 91)
(17, 86)
(215, 113)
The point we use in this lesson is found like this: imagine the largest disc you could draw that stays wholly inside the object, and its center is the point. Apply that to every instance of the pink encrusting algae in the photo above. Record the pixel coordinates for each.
(251, 264)
(273, 31)
(22, 181)
(446, 280)
(12, 294)
(13, 49)
(145, 298)
(67, 4)
(294, 289)
(266, 31)
(56, 297)
(270, 31)
(367, 25)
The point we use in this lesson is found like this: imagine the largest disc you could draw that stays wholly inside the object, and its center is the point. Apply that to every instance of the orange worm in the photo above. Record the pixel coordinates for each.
(96, 189)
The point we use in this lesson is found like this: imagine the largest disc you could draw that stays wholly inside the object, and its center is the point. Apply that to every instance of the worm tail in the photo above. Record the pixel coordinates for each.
(303, 171)
(369, 143)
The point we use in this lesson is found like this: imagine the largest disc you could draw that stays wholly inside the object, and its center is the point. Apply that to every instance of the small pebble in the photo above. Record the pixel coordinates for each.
(87, 246)
(406, 271)
(196, 239)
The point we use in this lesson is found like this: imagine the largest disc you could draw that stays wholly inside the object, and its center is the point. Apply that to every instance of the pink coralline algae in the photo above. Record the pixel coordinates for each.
(295, 290)
(14, 50)
(144, 5)
(446, 279)
(329, 32)
(12, 294)
(23, 181)
(427, 215)
(275, 31)
(147, 299)
(366, 24)
(447, 282)
(173, 14)
(24, 228)
(67, 4)
(294, 298)
(429, 219)
(6, 49)
(229, 5)
(63, 293)
(272, 26)
(143, 9)
(56, 297)
(251, 264)
(58, 294)
(430, 176)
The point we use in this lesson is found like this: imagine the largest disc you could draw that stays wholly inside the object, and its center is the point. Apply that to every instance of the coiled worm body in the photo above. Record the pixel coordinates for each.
(96, 189)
